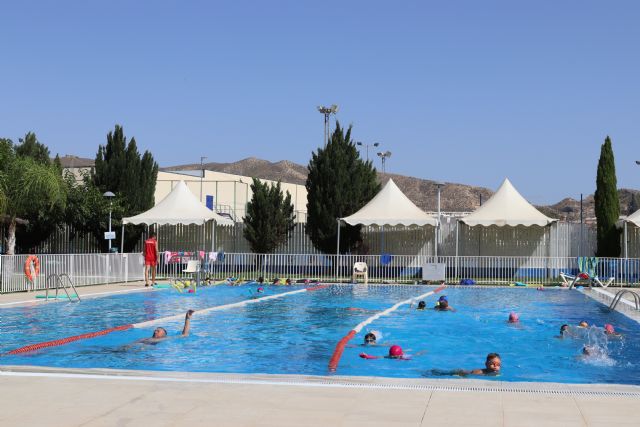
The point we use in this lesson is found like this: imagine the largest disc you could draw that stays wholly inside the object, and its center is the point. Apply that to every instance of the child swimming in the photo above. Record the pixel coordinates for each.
(395, 352)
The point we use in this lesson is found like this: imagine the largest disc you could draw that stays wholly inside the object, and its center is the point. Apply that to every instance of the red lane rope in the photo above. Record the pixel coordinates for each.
(62, 341)
(317, 288)
(337, 354)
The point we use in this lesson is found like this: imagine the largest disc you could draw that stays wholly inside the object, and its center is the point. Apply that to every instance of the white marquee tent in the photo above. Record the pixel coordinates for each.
(506, 207)
(389, 207)
(180, 206)
(634, 219)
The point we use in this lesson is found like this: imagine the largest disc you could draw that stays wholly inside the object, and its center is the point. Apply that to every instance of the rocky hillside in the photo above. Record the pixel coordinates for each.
(454, 197)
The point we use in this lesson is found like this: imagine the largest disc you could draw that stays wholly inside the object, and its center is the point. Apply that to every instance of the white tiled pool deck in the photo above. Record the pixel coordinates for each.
(35, 396)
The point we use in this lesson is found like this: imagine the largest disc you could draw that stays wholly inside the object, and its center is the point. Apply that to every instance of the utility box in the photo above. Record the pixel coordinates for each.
(433, 271)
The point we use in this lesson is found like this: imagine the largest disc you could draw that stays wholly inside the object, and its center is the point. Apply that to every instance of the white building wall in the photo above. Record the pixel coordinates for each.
(231, 192)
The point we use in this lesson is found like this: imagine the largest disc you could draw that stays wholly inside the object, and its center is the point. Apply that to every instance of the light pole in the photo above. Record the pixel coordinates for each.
(202, 159)
(375, 144)
(109, 195)
(439, 185)
(327, 111)
(384, 155)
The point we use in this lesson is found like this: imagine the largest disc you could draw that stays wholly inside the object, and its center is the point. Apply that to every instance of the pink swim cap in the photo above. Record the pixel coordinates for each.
(609, 328)
(395, 351)
(513, 317)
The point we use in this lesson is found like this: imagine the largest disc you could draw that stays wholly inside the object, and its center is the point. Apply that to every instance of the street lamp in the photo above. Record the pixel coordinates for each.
(375, 144)
(202, 159)
(327, 111)
(384, 155)
(109, 195)
(439, 185)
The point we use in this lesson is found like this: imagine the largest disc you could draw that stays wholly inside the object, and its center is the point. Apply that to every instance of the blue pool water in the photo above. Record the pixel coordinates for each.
(297, 334)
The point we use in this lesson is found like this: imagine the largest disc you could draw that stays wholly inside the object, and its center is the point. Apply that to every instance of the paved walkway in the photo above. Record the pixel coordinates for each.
(194, 400)
(18, 298)
(34, 396)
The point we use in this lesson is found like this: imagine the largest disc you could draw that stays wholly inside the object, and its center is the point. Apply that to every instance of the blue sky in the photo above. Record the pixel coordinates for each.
(459, 91)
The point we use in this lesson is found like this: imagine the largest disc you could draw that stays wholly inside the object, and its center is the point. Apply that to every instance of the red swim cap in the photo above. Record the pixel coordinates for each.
(395, 351)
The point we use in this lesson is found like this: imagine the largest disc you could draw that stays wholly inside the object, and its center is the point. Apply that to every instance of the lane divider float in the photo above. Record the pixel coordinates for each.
(63, 341)
(337, 353)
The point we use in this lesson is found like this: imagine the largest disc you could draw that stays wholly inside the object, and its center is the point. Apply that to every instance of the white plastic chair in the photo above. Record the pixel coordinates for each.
(360, 269)
(193, 267)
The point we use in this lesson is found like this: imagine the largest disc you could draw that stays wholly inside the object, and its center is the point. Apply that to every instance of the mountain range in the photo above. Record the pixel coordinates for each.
(454, 197)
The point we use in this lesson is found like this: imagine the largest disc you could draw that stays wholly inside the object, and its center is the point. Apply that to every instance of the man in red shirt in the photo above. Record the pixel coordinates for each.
(151, 257)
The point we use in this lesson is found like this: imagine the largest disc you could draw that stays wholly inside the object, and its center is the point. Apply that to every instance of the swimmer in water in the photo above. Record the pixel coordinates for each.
(610, 330)
(492, 367)
(160, 333)
(564, 331)
(443, 305)
(583, 324)
(422, 305)
(370, 339)
(395, 352)
(513, 318)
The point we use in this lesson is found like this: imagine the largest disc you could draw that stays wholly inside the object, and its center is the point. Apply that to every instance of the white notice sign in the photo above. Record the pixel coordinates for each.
(109, 235)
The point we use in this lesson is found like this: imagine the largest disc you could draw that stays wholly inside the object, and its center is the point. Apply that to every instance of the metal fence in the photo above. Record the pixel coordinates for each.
(93, 269)
(83, 269)
(401, 268)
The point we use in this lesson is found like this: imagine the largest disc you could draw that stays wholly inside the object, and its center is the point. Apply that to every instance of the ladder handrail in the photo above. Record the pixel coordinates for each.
(618, 297)
(59, 283)
(70, 284)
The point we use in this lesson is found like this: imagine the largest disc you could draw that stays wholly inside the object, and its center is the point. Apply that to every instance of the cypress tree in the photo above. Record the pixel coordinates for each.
(607, 205)
(338, 184)
(269, 217)
(119, 168)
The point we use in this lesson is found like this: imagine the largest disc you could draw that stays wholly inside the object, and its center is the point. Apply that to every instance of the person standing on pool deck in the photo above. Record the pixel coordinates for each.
(151, 257)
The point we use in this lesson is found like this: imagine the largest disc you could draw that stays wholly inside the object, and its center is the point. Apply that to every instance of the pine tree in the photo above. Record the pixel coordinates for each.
(119, 168)
(30, 147)
(269, 217)
(339, 183)
(607, 206)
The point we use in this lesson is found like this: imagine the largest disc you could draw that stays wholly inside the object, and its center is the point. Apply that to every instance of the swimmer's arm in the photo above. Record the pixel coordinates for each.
(187, 323)
(368, 356)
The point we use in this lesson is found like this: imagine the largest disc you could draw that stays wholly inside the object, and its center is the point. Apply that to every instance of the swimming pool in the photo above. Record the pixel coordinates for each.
(297, 334)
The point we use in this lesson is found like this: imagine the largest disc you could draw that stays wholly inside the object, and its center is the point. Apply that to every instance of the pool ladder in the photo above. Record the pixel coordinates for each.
(59, 283)
(620, 294)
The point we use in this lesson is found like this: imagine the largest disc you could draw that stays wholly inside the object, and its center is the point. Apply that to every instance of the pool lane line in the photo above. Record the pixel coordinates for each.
(63, 341)
(67, 340)
(226, 306)
(337, 353)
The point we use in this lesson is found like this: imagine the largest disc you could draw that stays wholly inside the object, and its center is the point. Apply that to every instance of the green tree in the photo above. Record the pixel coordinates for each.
(269, 217)
(339, 183)
(87, 209)
(30, 147)
(30, 189)
(119, 168)
(607, 206)
(40, 221)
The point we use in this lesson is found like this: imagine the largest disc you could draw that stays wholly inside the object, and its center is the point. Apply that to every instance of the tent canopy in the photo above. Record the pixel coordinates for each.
(507, 207)
(180, 206)
(634, 218)
(390, 207)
